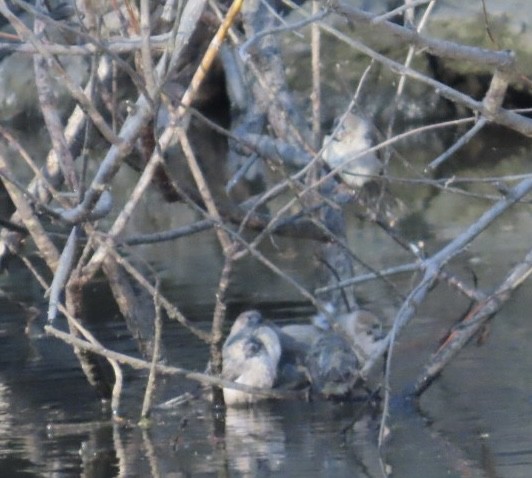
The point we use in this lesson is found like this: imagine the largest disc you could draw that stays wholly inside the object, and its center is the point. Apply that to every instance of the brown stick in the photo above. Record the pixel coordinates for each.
(166, 369)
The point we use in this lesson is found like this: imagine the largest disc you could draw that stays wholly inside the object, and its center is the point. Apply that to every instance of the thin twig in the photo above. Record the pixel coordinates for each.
(399, 10)
(30, 220)
(471, 133)
(52, 118)
(56, 68)
(412, 49)
(218, 320)
(146, 52)
(150, 385)
(172, 310)
(203, 187)
(140, 364)
(315, 96)
(282, 29)
(62, 273)
(432, 267)
(441, 48)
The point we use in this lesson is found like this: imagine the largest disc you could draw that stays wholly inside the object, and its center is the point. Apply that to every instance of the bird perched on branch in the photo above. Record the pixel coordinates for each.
(346, 152)
(345, 148)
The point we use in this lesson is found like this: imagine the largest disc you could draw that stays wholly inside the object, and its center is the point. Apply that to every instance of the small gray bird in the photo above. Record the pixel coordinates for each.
(332, 365)
(251, 356)
(332, 351)
(361, 328)
(328, 357)
(344, 150)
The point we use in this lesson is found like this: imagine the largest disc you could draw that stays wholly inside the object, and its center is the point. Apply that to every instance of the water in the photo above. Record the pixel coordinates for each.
(474, 421)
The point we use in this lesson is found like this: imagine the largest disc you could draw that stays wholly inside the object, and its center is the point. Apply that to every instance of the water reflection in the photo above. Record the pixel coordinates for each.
(254, 441)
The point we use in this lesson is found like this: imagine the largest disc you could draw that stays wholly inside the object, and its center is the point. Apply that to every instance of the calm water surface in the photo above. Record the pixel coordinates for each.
(473, 422)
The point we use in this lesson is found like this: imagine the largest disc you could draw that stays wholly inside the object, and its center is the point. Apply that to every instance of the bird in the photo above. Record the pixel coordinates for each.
(331, 351)
(296, 341)
(250, 355)
(361, 327)
(343, 149)
(332, 365)
(329, 360)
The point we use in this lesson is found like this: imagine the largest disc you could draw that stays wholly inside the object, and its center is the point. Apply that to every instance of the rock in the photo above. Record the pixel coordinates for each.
(465, 22)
